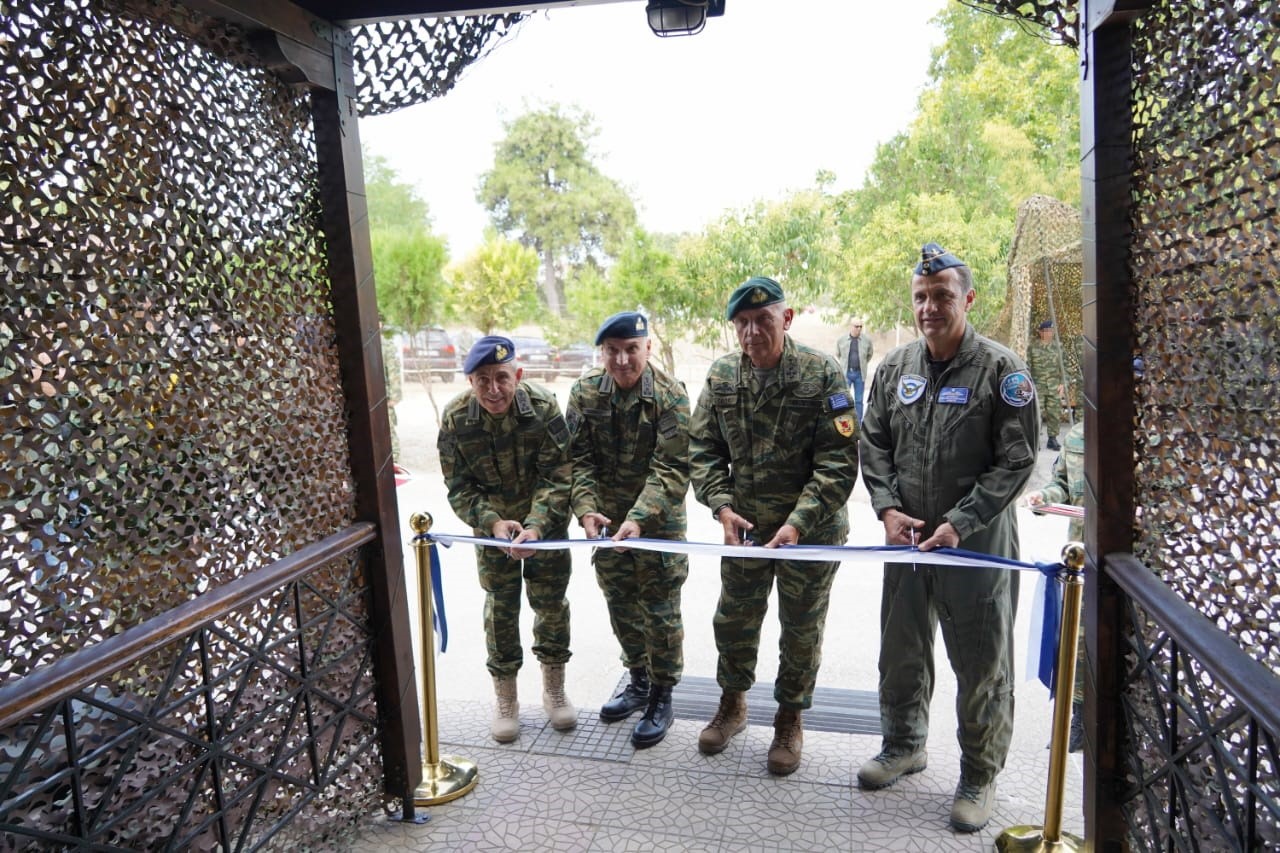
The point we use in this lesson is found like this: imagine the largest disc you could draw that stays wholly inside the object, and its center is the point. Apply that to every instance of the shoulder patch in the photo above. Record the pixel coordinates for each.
(911, 388)
(844, 425)
(1017, 389)
(573, 418)
(838, 402)
(558, 430)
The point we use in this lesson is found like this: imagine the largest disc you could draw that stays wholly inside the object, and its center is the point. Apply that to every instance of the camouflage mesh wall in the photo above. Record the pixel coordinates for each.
(1206, 258)
(172, 419)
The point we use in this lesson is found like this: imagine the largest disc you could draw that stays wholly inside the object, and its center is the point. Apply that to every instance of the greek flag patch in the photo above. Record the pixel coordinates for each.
(838, 402)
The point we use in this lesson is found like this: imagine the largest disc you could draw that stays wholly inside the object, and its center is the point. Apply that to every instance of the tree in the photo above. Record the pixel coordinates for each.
(545, 190)
(995, 125)
(408, 260)
(496, 285)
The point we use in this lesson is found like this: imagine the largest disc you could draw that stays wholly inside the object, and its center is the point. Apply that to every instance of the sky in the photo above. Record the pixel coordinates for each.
(749, 109)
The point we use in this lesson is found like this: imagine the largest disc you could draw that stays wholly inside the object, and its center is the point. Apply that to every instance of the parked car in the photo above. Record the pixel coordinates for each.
(429, 353)
(579, 358)
(539, 359)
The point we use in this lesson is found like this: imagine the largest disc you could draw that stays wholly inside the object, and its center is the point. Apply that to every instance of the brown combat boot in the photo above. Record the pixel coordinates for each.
(554, 701)
(730, 718)
(788, 737)
(506, 717)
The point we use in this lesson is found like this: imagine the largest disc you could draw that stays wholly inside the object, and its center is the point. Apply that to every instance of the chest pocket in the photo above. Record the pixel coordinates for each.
(967, 420)
(729, 416)
(799, 416)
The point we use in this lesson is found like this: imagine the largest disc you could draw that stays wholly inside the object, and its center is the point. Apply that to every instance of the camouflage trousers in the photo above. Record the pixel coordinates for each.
(804, 591)
(976, 609)
(642, 592)
(545, 579)
(1050, 410)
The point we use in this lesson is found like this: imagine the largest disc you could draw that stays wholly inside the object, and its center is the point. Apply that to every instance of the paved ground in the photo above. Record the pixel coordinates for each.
(540, 793)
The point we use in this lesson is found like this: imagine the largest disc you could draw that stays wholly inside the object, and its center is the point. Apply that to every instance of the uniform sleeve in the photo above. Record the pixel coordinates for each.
(1015, 431)
(878, 471)
(668, 478)
(549, 505)
(584, 492)
(1056, 491)
(835, 458)
(709, 454)
(470, 503)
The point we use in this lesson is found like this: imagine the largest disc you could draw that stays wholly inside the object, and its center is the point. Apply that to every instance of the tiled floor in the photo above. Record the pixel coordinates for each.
(535, 795)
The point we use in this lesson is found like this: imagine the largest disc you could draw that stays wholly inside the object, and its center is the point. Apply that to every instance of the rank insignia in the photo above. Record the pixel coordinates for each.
(844, 425)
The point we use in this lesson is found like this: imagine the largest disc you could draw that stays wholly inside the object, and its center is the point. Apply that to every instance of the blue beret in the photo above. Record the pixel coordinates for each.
(1047, 324)
(624, 324)
(754, 293)
(934, 259)
(491, 349)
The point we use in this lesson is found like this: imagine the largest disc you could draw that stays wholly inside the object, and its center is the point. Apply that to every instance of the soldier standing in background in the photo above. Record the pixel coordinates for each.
(504, 452)
(1044, 360)
(1067, 487)
(947, 445)
(773, 449)
(630, 427)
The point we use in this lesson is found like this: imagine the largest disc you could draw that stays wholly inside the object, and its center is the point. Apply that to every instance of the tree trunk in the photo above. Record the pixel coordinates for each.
(552, 287)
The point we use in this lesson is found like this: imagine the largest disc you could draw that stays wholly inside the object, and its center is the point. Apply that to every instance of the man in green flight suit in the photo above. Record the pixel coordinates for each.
(504, 452)
(1044, 360)
(948, 442)
(773, 449)
(630, 427)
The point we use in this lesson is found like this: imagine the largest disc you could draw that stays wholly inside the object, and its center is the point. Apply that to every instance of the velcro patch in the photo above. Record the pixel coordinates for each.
(574, 419)
(558, 430)
(668, 425)
(838, 402)
(953, 395)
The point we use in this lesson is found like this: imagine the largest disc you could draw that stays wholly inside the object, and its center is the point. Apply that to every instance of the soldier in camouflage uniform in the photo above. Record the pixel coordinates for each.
(948, 442)
(630, 426)
(773, 448)
(1067, 487)
(1044, 359)
(504, 452)
(395, 389)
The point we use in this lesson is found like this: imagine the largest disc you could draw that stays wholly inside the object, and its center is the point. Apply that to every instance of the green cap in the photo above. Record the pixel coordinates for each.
(754, 293)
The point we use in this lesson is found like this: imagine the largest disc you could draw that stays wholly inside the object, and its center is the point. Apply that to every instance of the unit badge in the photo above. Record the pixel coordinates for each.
(911, 388)
(1017, 389)
(844, 425)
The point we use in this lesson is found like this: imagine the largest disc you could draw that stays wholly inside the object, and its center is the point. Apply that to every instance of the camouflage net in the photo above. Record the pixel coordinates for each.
(1061, 18)
(1045, 273)
(401, 63)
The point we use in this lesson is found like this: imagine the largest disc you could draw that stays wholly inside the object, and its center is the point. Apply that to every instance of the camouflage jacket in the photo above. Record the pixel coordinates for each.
(511, 467)
(1067, 485)
(787, 454)
(958, 449)
(1045, 363)
(631, 451)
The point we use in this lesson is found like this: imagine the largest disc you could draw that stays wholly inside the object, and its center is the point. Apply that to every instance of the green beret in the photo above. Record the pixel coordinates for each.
(754, 293)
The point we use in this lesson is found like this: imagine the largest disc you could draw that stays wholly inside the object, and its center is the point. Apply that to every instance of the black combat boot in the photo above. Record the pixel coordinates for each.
(658, 716)
(631, 698)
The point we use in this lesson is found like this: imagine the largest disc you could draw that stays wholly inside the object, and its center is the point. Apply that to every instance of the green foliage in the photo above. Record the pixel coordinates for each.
(408, 260)
(408, 270)
(392, 203)
(546, 191)
(997, 123)
(496, 285)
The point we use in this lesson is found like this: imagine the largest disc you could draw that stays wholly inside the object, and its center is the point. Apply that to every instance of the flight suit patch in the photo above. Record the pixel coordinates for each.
(911, 388)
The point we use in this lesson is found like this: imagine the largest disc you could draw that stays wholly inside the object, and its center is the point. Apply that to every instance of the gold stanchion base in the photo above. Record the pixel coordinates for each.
(1030, 839)
(453, 777)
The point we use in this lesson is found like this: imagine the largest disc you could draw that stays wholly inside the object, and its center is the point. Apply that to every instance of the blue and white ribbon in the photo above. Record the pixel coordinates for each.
(1044, 643)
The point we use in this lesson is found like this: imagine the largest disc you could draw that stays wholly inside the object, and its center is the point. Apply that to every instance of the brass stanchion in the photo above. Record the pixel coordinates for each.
(444, 778)
(1050, 837)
